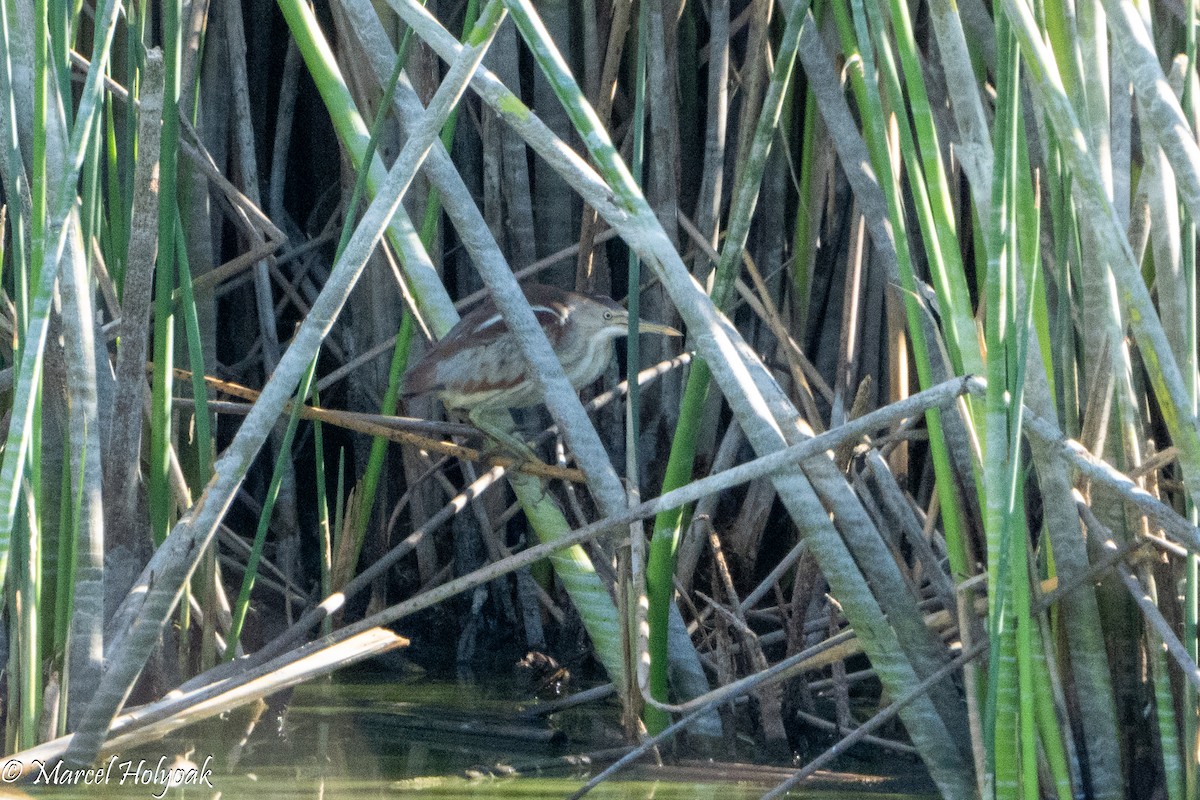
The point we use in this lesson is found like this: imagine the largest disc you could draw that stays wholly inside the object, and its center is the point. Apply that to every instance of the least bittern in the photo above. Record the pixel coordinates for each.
(478, 366)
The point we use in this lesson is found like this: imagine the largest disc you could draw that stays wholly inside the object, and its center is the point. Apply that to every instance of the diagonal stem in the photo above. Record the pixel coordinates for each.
(162, 582)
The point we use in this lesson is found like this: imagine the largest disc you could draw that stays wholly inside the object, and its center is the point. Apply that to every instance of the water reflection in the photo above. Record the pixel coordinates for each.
(373, 739)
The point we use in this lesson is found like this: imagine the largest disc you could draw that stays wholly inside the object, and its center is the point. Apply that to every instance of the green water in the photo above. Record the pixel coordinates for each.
(361, 740)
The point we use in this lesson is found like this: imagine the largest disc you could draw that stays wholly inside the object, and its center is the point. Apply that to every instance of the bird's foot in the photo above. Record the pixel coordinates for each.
(503, 442)
(511, 447)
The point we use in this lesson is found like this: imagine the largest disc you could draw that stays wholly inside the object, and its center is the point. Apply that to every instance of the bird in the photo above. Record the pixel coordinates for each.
(477, 367)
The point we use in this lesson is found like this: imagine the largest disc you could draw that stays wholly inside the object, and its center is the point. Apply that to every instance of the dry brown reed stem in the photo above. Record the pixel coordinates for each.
(355, 422)
(1162, 629)
(118, 91)
(193, 147)
(781, 671)
(772, 579)
(833, 727)
(1054, 591)
(231, 268)
(804, 373)
(967, 630)
(282, 588)
(241, 548)
(862, 398)
(585, 268)
(410, 424)
(692, 544)
(108, 290)
(1104, 474)
(821, 684)
(862, 731)
(852, 351)
(382, 348)
(289, 293)
(770, 701)
(592, 695)
(1156, 462)
(1154, 618)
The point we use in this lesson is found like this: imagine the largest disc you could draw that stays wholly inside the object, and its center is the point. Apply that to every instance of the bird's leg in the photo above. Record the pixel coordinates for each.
(482, 418)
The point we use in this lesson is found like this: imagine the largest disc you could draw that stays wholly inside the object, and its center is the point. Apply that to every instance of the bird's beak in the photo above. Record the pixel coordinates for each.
(654, 327)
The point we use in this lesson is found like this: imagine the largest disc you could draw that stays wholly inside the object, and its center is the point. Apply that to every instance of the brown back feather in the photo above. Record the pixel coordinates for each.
(549, 304)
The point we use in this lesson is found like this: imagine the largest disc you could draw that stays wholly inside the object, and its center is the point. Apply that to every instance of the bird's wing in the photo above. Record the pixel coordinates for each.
(480, 327)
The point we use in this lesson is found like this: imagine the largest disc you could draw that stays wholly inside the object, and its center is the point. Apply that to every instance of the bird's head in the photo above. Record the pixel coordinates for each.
(607, 318)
